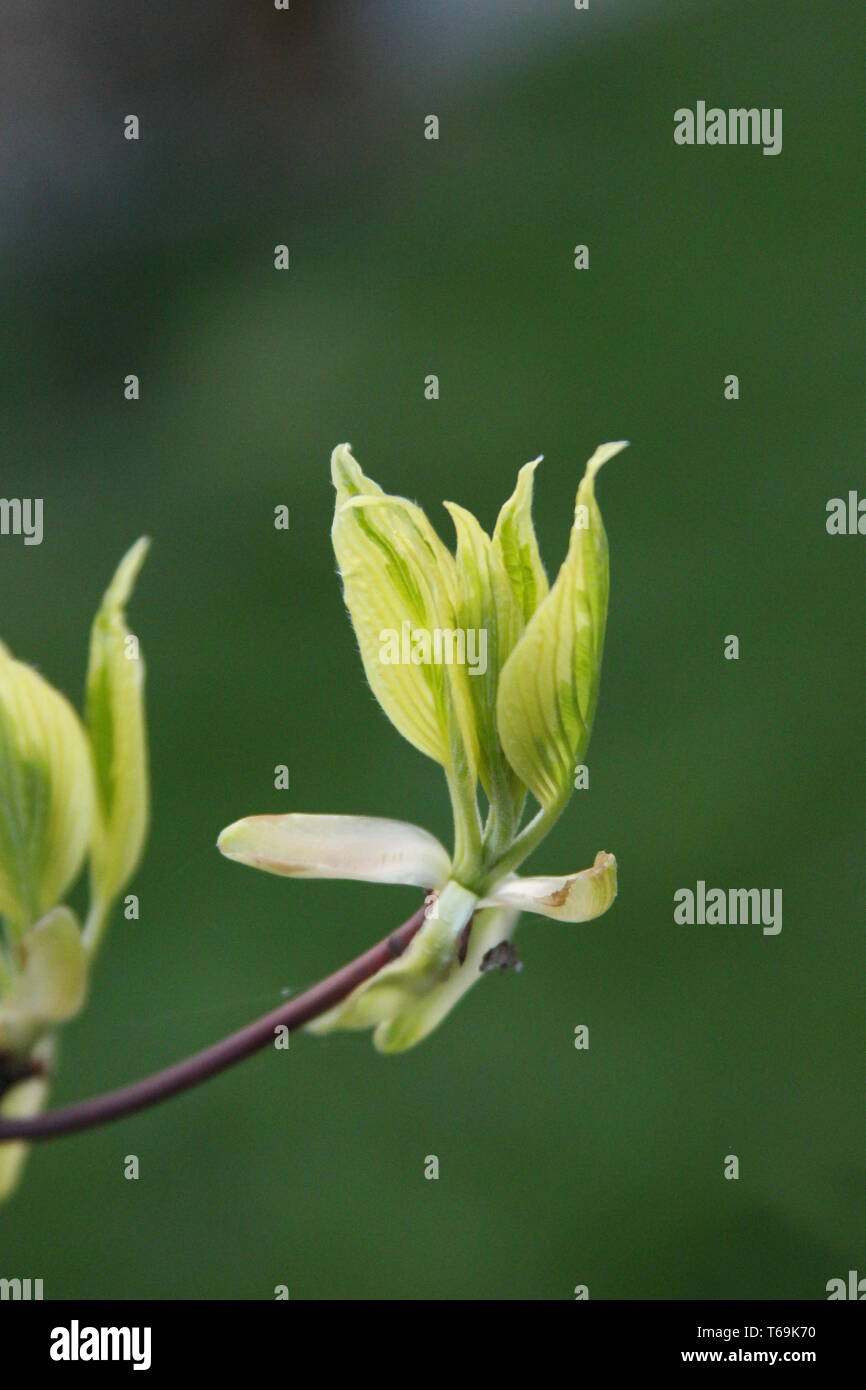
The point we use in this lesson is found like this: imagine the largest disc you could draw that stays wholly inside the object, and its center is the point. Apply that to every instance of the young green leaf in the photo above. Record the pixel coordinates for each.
(517, 559)
(115, 717)
(399, 585)
(549, 685)
(476, 613)
(500, 581)
(46, 793)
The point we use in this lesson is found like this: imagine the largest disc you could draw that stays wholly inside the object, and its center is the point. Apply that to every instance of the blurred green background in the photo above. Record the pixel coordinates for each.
(408, 257)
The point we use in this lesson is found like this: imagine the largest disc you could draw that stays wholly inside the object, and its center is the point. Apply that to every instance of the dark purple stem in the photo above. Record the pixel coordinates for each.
(69, 1119)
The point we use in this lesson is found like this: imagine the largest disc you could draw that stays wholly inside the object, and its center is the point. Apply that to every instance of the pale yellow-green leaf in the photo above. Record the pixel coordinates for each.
(116, 724)
(518, 562)
(548, 689)
(46, 793)
(576, 897)
(500, 581)
(50, 984)
(399, 585)
(476, 614)
(369, 848)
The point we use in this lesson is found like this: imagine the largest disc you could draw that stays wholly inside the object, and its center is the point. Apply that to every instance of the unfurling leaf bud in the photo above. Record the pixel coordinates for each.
(549, 685)
(116, 725)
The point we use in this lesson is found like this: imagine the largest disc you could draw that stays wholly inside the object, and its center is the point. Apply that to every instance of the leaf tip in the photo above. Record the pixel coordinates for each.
(603, 454)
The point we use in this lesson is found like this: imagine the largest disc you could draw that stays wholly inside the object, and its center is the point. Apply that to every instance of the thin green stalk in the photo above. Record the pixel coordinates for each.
(94, 926)
(529, 837)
